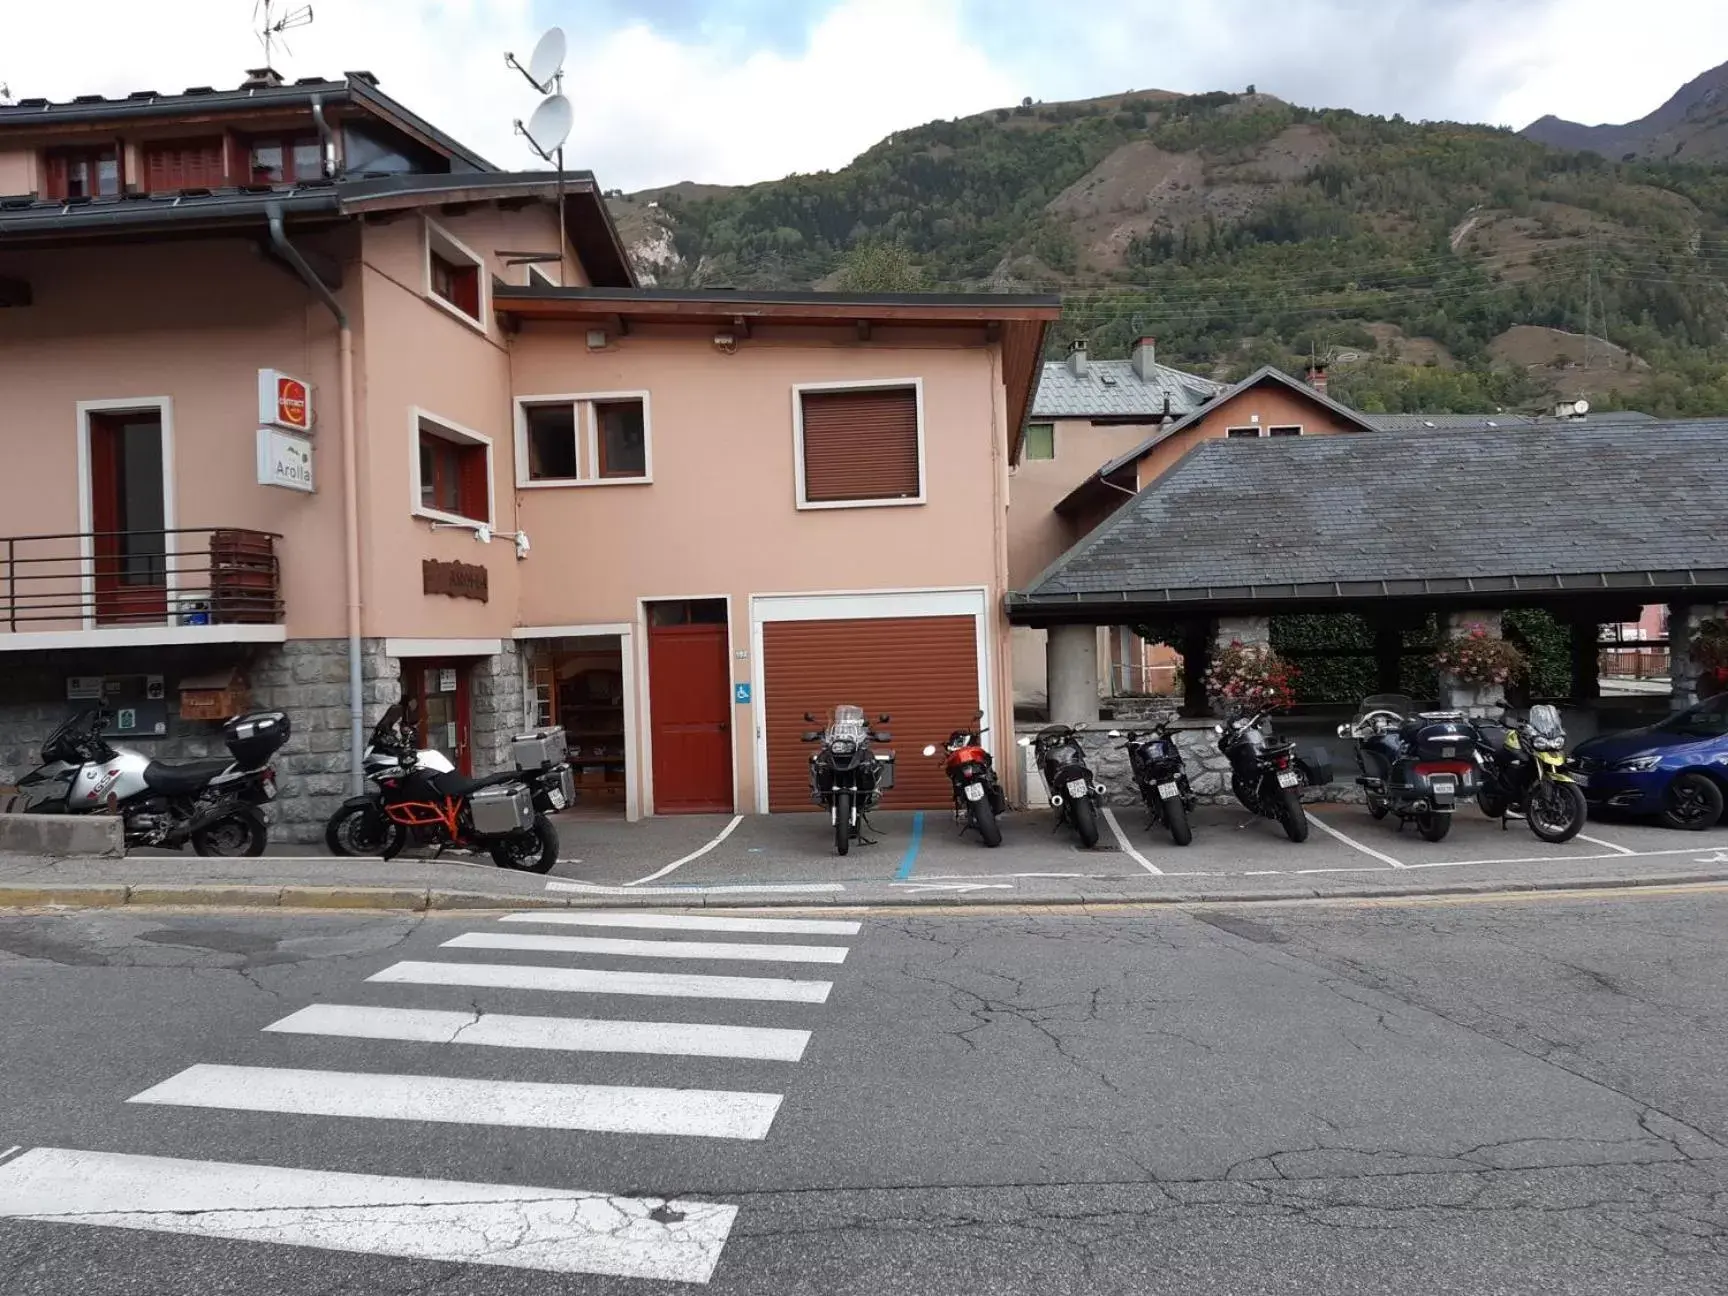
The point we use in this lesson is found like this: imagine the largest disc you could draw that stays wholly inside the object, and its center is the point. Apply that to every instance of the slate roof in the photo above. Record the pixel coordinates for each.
(1560, 506)
(1468, 422)
(1111, 389)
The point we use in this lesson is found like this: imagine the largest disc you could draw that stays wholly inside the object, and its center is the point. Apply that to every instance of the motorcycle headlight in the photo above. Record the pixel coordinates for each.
(1547, 744)
(842, 746)
(1638, 764)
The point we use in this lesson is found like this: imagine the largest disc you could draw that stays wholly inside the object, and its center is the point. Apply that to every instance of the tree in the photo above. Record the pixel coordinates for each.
(879, 267)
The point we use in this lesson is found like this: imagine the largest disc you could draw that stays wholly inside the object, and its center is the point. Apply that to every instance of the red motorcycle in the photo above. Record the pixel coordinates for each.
(978, 795)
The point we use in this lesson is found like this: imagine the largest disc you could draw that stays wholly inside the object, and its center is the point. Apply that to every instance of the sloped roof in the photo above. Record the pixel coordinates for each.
(1111, 389)
(1485, 422)
(1616, 508)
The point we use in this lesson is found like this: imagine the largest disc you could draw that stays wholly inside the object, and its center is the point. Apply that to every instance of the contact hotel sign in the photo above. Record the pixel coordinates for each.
(284, 433)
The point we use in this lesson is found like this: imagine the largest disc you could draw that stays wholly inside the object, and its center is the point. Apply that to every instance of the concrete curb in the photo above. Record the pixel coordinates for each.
(115, 895)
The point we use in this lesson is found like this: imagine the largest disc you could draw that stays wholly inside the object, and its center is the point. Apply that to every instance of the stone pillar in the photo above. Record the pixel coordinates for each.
(1243, 630)
(1683, 672)
(1071, 659)
(1472, 699)
(499, 709)
(1586, 661)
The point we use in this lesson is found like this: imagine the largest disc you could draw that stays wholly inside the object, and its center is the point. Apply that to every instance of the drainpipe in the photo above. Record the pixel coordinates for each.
(325, 134)
(350, 496)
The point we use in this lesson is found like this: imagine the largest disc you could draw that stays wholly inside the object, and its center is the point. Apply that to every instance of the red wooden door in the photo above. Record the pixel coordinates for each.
(690, 702)
(127, 515)
(445, 710)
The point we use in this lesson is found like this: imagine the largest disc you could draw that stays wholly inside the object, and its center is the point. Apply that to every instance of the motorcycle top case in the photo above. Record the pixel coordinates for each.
(501, 810)
(1440, 739)
(540, 750)
(256, 736)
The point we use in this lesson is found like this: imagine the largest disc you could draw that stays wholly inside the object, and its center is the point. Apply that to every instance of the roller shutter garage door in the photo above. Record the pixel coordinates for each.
(923, 671)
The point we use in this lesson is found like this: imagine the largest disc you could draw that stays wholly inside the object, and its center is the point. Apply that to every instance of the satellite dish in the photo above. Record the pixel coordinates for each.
(550, 126)
(1581, 407)
(547, 60)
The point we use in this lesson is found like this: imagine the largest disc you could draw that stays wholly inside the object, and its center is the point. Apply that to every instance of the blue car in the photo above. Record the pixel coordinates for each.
(1676, 770)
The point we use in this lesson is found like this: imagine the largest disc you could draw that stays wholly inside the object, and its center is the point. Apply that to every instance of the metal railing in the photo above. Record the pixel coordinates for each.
(1634, 663)
(187, 576)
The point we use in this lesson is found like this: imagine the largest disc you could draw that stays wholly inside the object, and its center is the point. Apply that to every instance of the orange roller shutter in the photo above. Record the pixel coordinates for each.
(860, 445)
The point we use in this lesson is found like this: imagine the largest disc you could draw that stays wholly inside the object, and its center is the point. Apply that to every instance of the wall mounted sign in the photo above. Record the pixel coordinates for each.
(741, 694)
(455, 579)
(283, 401)
(285, 459)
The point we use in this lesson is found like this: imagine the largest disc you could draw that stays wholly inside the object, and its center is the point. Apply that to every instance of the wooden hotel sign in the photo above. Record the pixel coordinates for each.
(455, 579)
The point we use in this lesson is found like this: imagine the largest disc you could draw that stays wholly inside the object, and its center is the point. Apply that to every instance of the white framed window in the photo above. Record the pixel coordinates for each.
(584, 439)
(456, 278)
(859, 444)
(1241, 432)
(450, 475)
(1284, 430)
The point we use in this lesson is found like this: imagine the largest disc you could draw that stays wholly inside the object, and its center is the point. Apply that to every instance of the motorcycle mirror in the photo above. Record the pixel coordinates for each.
(884, 718)
(1217, 729)
(1026, 742)
(809, 718)
(978, 714)
(1114, 733)
(930, 750)
(1343, 731)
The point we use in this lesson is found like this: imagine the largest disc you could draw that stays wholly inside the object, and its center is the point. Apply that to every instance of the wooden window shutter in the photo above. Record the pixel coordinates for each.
(472, 492)
(861, 445)
(189, 164)
(54, 175)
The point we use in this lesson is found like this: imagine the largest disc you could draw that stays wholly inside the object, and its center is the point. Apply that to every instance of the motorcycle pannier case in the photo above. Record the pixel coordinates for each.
(885, 771)
(255, 737)
(540, 750)
(500, 811)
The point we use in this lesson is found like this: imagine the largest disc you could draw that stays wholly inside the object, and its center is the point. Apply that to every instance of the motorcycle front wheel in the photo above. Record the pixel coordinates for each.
(239, 833)
(842, 822)
(1291, 815)
(1434, 825)
(360, 830)
(984, 820)
(1556, 810)
(534, 851)
(1085, 821)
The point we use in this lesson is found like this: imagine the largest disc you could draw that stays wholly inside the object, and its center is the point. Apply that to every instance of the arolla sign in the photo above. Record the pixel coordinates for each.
(284, 401)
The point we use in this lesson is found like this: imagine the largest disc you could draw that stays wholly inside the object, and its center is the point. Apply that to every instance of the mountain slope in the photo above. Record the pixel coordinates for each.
(1243, 230)
(1690, 127)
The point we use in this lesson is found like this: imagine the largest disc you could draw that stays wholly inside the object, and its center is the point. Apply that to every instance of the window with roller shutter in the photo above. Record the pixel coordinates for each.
(184, 164)
(860, 446)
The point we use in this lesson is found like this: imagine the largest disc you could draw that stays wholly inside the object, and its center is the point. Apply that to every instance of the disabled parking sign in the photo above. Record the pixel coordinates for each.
(741, 694)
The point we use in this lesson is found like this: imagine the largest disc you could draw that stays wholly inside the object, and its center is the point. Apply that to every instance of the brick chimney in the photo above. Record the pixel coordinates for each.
(1317, 378)
(261, 79)
(1143, 357)
(1077, 357)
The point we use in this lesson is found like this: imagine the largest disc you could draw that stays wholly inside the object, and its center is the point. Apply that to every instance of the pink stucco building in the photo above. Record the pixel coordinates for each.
(307, 405)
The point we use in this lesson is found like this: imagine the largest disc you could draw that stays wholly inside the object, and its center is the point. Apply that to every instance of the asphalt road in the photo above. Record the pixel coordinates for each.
(1475, 1095)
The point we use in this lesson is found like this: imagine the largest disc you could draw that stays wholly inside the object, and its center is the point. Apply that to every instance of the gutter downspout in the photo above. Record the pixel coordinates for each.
(350, 495)
(325, 134)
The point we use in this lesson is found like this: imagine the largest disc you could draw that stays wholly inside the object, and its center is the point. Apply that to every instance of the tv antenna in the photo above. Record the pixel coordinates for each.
(549, 125)
(272, 28)
(5, 93)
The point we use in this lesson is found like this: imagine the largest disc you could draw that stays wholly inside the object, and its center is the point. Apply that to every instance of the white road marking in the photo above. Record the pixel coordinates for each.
(595, 888)
(698, 853)
(688, 922)
(450, 1100)
(558, 1230)
(671, 985)
(1369, 869)
(1129, 851)
(666, 949)
(1597, 841)
(1265, 873)
(1351, 842)
(16, 1147)
(953, 886)
(1563, 859)
(1720, 857)
(571, 1034)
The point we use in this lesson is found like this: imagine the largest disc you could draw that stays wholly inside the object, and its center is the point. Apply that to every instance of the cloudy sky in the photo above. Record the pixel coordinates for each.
(739, 90)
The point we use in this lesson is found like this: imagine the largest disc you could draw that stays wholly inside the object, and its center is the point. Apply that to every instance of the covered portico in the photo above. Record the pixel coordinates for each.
(1589, 523)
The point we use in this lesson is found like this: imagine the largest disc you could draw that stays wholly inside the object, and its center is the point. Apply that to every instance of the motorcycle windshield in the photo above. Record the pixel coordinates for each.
(848, 724)
(1396, 702)
(387, 724)
(1545, 722)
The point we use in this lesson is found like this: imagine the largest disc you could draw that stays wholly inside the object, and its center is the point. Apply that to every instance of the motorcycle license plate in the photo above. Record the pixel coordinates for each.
(1168, 791)
(974, 791)
(1445, 787)
(1287, 778)
(1077, 787)
(556, 798)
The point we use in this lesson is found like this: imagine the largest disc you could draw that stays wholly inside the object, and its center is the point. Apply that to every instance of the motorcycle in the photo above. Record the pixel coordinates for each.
(213, 804)
(1264, 773)
(359, 825)
(1525, 774)
(1075, 794)
(1415, 764)
(978, 796)
(1155, 763)
(847, 775)
(503, 815)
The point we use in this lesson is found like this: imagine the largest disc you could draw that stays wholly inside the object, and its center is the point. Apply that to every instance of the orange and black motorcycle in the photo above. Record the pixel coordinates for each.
(978, 797)
(502, 814)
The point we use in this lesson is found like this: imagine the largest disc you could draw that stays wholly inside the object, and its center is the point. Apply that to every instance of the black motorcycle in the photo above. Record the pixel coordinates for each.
(1264, 773)
(503, 815)
(1524, 773)
(1417, 765)
(1155, 763)
(1077, 797)
(215, 805)
(847, 775)
(978, 796)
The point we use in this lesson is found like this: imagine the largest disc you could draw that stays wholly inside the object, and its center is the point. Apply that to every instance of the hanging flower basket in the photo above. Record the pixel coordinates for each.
(1709, 651)
(1250, 678)
(1479, 658)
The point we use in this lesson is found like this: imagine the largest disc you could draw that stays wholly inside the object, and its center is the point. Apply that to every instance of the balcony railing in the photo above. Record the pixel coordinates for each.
(188, 577)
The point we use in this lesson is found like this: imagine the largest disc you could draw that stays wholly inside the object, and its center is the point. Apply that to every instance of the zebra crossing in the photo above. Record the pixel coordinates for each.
(574, 1229)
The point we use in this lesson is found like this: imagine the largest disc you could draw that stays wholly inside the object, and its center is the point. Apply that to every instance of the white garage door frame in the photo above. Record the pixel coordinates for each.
(860, 605)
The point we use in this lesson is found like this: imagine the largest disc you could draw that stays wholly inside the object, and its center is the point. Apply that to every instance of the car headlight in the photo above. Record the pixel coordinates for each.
(842, 746)
(1638, 764)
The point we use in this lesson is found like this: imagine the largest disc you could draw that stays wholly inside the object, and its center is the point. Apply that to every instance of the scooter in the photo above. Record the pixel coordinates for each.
(1075, 794)
(214, 804)
(1264, 773)
(1156, 765)
(1417, 765)
(978, 796)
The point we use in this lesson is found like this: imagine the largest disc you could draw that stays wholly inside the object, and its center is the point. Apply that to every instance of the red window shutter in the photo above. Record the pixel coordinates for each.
(466, 284)
(185, 164)
(54, 175)
(473, 488)
(861, 445)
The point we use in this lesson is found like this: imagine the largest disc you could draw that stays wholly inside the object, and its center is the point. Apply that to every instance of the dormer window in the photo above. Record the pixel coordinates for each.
(82, 173)
(286, 161)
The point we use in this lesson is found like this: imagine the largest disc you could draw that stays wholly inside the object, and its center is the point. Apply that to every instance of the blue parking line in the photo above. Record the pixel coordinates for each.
(911, 855)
